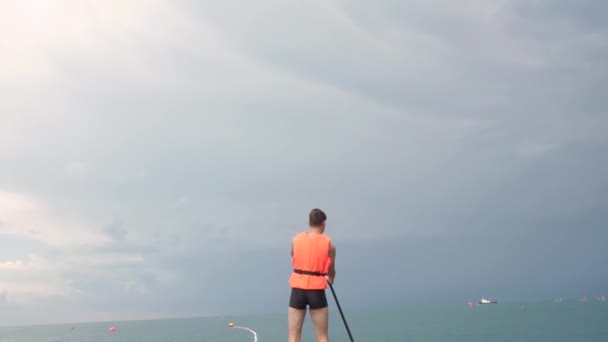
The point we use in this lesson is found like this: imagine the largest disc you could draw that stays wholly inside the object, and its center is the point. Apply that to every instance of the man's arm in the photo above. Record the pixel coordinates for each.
(331, 273)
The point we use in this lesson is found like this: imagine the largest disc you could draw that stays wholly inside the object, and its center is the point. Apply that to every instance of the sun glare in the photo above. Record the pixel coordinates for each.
(29, 29)
(30, 24)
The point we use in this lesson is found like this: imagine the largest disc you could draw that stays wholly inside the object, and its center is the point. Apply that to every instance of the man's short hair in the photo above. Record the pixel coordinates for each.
(316, 217)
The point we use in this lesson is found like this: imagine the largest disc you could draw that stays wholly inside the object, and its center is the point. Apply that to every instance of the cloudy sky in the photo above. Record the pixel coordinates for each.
(157, 156)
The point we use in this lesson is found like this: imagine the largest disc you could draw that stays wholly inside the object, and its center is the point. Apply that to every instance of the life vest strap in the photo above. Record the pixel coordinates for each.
(312, 273)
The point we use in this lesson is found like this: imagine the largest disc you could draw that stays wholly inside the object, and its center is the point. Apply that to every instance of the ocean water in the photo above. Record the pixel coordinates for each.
(536, 322)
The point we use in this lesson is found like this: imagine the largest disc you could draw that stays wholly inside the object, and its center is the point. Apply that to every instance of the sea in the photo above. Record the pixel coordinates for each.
(567, 321)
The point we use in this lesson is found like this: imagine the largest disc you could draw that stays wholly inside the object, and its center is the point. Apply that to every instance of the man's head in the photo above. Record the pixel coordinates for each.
(316, 219)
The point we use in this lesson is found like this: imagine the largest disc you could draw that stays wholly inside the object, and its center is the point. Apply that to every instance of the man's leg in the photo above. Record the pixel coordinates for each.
(296, 314)
(319, 314)
(320, 319)
(296, 320)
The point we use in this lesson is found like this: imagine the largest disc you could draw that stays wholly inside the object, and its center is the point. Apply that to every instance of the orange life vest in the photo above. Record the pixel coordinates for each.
(310, 261)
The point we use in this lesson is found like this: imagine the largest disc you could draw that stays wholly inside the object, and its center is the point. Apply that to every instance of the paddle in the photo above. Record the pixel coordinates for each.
(340, 309)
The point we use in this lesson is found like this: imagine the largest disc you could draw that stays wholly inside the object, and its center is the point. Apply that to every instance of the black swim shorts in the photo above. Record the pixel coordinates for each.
(300, 298)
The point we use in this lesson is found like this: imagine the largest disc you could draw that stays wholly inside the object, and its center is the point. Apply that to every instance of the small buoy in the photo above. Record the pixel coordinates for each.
(470, 305)
(112, 329)
(230, 325)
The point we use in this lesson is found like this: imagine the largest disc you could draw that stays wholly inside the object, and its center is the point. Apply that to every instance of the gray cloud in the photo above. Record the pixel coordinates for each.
(451, 144)
(116, 230)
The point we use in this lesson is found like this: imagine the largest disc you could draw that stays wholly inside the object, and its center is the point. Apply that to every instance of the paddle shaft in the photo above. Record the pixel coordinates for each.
(341, 313)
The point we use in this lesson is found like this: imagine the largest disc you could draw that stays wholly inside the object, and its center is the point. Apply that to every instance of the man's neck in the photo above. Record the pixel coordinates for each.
(315, 230)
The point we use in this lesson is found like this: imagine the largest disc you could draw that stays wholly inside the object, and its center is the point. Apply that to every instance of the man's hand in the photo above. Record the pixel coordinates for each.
(329, 279)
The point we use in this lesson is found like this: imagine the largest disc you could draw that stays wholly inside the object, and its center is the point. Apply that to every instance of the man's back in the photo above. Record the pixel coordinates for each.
(313, 260)
(310, 254)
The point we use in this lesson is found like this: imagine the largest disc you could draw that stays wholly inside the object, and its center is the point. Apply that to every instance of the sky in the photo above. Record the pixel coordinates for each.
(157, 156)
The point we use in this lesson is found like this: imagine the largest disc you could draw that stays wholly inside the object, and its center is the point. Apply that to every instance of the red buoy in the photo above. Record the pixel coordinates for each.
(112, 329)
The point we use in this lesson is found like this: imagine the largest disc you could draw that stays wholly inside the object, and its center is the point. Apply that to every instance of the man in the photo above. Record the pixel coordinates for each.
(313, 258)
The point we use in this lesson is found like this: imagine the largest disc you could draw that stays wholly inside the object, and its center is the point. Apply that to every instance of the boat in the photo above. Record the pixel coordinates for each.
(487, 301)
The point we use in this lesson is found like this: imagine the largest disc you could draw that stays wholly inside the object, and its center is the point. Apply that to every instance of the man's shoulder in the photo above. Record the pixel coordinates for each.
(299, 234)
(330, 242)
(332, 249)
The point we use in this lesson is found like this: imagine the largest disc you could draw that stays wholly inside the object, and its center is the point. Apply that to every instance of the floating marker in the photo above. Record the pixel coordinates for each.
(470, 304)
(255, 335)
(112, 329)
